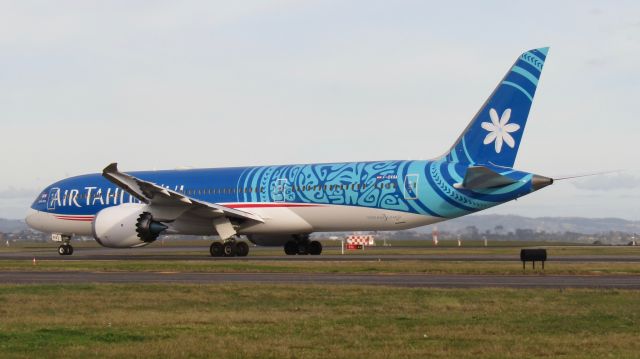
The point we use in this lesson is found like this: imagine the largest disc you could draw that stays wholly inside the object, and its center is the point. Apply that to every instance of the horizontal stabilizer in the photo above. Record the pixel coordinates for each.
(480, 177)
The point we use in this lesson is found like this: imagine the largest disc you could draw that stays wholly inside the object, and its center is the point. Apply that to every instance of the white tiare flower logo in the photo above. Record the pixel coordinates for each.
(499, 129)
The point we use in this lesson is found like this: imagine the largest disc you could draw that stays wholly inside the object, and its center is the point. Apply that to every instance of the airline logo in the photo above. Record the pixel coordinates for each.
(91, 196)
(499, 129)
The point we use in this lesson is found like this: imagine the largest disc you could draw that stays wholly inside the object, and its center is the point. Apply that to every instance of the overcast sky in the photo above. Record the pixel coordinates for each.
(161, 85)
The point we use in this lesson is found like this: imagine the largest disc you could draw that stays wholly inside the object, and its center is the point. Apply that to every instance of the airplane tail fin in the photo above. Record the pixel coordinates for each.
(493, 136)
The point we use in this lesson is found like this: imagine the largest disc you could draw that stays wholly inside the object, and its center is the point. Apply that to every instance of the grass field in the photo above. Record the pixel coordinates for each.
(319, 321)
(401, 247)
(377, 264)
(370, 267)
(310, 321)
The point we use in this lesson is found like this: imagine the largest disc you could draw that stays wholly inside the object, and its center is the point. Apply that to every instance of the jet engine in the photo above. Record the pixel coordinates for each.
(125, 226)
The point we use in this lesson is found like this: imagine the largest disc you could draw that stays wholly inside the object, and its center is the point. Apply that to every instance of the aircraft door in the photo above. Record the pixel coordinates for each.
(410, 188)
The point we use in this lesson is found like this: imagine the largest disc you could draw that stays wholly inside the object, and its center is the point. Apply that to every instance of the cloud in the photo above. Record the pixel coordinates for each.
(609, 182)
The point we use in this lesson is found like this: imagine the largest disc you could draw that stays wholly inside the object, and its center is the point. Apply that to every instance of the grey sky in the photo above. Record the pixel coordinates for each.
(156, 85)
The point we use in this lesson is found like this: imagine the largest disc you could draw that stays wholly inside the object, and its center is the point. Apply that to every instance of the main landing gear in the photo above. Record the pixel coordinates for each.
(229, 248)
(302, 246)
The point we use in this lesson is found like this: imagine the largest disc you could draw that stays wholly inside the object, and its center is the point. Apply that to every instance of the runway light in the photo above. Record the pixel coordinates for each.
(434, 234)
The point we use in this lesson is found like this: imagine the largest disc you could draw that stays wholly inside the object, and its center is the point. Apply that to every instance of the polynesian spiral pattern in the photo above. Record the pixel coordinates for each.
(378, 185)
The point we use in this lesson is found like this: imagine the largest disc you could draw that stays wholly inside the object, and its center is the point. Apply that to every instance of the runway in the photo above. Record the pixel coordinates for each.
(399, 280)
(195, 253)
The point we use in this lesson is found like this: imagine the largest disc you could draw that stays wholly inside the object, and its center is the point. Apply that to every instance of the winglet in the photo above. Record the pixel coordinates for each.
(113, 167)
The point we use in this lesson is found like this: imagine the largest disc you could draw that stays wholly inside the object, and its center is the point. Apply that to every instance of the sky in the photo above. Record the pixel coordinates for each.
(175, 84)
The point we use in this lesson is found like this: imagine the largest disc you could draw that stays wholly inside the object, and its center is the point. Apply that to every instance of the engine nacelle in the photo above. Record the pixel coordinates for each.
(125, 226)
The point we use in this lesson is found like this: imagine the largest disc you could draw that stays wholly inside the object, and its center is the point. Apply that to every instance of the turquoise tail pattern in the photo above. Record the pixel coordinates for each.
(493, 136)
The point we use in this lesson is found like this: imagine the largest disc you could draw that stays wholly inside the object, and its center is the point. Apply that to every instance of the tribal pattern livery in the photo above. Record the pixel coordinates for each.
(421, 187)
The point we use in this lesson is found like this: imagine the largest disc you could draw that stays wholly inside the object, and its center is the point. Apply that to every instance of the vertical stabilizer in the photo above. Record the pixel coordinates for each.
(494, 134)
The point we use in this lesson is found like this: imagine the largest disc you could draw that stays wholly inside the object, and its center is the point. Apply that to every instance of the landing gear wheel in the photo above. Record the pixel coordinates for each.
(229, 249)
(216, 249)
(65, 250)
(291, 248)
(303, 247)
(242, 249)
(315, 248)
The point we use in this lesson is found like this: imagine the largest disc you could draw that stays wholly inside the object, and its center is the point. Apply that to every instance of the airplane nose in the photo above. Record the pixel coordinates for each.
(32, 218)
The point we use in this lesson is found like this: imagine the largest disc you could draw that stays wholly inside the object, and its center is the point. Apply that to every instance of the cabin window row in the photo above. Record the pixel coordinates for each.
(207, 191)
(332, 187)
(210, 191)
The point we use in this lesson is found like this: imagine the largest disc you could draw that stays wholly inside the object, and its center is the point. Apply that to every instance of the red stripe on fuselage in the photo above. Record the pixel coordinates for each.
(75, 218)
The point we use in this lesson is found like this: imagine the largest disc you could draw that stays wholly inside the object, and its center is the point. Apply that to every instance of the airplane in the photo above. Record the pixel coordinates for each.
(282, 205)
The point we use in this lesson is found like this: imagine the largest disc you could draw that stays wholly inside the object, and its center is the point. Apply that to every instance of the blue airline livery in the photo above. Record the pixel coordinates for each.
(282, 205)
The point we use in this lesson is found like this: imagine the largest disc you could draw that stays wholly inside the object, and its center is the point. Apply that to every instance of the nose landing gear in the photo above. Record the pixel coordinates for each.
(65, 249)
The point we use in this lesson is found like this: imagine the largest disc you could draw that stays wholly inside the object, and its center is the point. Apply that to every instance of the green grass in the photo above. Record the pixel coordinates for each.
(313, 321)
(349, 267)
(377, 264)
(398, 247)
(202, 248)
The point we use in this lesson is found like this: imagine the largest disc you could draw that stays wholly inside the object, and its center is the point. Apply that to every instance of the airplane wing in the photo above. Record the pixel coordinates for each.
(157, 196)
(480, 177)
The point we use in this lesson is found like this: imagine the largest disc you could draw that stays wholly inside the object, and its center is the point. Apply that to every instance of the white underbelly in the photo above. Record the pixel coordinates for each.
(60, 223)
(330, 218)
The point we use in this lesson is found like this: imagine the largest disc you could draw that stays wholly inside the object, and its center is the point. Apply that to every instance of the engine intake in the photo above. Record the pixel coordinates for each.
(148, 230)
